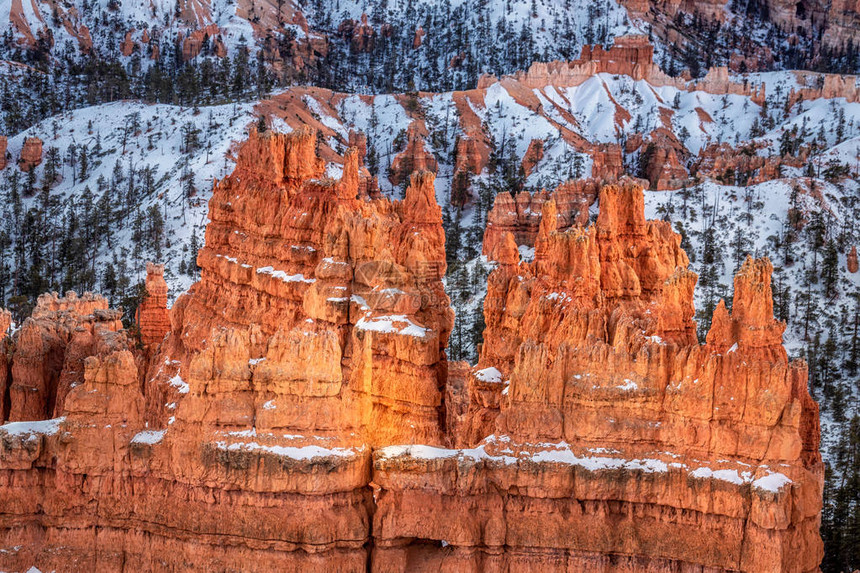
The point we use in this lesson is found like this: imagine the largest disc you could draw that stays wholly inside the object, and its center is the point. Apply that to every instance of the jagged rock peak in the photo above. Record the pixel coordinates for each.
(329, 285)
(280, 157)
(751, 324)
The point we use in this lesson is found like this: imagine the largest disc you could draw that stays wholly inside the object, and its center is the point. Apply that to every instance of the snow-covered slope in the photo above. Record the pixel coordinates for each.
(168, 150)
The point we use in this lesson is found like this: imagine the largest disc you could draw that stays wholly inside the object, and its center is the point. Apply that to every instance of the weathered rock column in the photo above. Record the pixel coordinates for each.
(152, 316)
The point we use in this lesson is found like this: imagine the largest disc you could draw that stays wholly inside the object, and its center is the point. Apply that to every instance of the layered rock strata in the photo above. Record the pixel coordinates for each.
(603, 436)
(44, 359)
(317, 330)
(299, 414)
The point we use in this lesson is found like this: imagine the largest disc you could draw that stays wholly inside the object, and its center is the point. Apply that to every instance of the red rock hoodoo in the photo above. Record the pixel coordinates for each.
(3, 144)
(152, 316)
(31, 154)
(414, 157)
(597, 420)
(300, 411)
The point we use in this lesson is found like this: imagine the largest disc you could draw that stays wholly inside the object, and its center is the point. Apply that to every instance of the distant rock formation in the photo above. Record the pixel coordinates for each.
(414, 157)
(360, 35)
(521, 217)
(3, 144)
(533, 155)
(31, 154)
(191, 45)
(631, 56)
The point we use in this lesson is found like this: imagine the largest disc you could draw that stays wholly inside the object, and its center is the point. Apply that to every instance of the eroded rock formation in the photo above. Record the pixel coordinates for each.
(191, 46)
(414, 157)
(533, 156)
(521, 217)
(31, 154)
(361, 35)
(45, 357)
(152, 316)
(3, 144)
(299, 413)
(603, 411)
(631, 56)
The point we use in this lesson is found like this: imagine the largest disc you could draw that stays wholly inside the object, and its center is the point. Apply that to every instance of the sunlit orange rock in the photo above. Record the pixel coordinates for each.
(46, 361)
(592, 391)
(152, 316)
(852, 260)
(302, 405)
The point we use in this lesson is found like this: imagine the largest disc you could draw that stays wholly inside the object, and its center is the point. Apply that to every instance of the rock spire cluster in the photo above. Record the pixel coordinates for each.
(299, 412)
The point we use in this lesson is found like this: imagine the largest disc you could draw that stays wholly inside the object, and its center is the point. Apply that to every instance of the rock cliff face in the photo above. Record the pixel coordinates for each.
(45, 356)
(299, 414)
(594, 403)
(631, 56)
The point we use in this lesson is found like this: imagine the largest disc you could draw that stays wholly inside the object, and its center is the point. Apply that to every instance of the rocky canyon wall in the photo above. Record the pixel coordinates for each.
(601, 435)
(301, 415)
